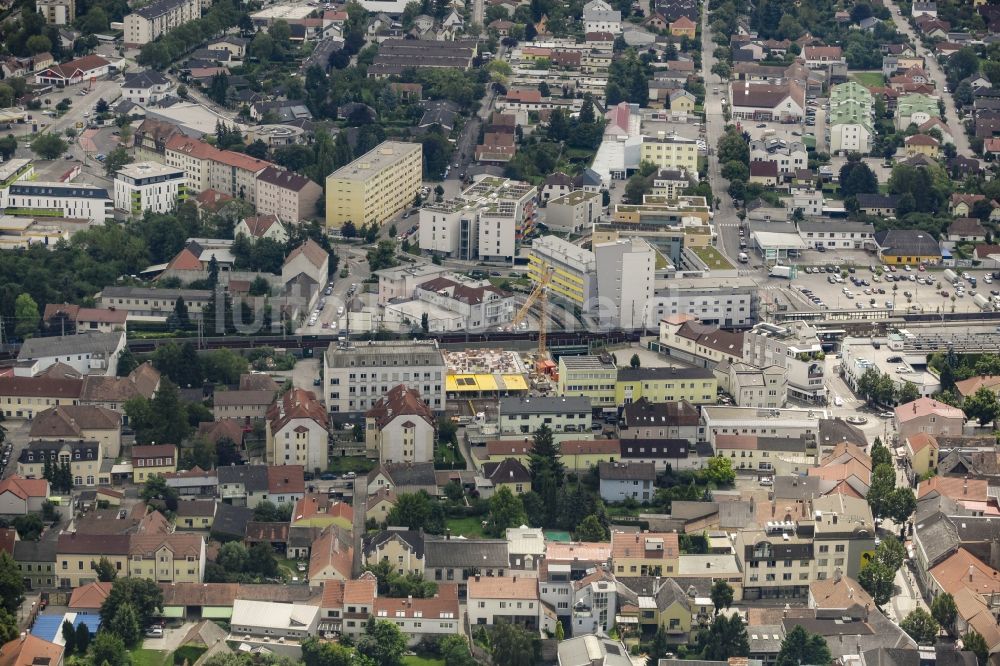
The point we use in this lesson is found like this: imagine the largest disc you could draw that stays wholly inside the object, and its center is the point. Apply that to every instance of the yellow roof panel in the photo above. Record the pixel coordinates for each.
(469, 383)
(515, 382)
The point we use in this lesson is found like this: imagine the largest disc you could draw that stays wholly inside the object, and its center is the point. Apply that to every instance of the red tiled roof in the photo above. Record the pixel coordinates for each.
(399, 401)
(296, 404)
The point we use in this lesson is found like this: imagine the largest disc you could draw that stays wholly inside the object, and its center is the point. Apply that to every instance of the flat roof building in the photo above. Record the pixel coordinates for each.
(376, 186)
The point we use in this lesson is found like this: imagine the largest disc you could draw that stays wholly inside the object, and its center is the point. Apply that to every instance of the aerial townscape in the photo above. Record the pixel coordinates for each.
(499, 332)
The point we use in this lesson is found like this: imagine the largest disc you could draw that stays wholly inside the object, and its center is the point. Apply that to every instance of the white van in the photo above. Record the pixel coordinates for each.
(743, 258)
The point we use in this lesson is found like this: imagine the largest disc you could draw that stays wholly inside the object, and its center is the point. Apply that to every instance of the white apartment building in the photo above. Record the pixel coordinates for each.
(57, 12)
(573, 212)
(837, 234)
(296, 429)
(512, 599)
(598, 16)
(146, 87)
(732, 305)
(794, 347)
(402, 281)
(158, 18)
(143, 186)
(789, 156)
(808, 200)
(484, 222)
(751, 386)
(478, 305)
(51, 199)
(670, 183)
(625, 279)
(153, 304)
(357, 375)
(568, 416)
(716, 420)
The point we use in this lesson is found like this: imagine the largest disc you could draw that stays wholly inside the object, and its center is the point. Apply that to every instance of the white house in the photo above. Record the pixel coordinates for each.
(261, 226)
(87, 353)
(767, 101)
(400, 427)
(513, 600)
(620, 481)
(146, 87)
(296, 429)
(20, 496)
(598, 16)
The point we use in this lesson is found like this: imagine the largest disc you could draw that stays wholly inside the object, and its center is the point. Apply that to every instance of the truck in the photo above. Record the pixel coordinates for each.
(950, 276)
(983, 302)
(782, 272)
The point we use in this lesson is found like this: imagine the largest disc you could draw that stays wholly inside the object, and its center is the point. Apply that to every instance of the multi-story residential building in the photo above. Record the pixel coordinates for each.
(850, 118)
(670, 183)
(153, 459)
(37, 562)
(806, 199)
(77, 554)
(49, 199)
(143, 186)
(644, 553)
(375, 186)
(87, 354)
(573, 212)
(287, 195)
(147, 23)
(751, 386)
(926, 415)
(767, 454)
(145, 303)
(356, 376)
(643, 419)
(567, 417)
(718, 420)
(620, 481)
(57, 12)
(243, 405)
(797, 349)
(296, 431)
(595, 601)
(734, 305)
(777, 561)
(84, 459)
(915, 109)
(514, 600)
(249, 485)
(146, 87)
(573, 269)
(167, 558)
(80, 422)
(24, 397)
(599, 16)
(474, 306)
(592, 377)
(459, 560)
(207, 167)
(436, 616)
(704, 345)
(789, 156)
(486, 221)
(696, 385)
(402, 281)
(402, 549)
(670, 152)
(625, 280)
(844, 535)
(400, 427)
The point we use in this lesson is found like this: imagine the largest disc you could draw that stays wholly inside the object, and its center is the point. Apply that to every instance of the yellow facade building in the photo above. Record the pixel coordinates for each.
(151, 460)
(375, 186)
(589, 376)
(579, 455)
(670, 152)
(922, 451)
(573, 269)
(696, 385)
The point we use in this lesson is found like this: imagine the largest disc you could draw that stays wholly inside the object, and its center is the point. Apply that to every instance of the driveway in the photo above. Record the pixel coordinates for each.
(931, 65)
(171, 639)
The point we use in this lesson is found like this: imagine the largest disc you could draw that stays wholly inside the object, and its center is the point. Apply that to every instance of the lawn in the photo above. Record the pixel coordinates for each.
(661, 261)
(712, 258)
(358, 464)
(415, 660)
(469, 527)
(869, 78)
(141, 657)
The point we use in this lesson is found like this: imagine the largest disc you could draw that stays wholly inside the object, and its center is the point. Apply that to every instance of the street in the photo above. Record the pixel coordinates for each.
(931, 65)
(352, 258)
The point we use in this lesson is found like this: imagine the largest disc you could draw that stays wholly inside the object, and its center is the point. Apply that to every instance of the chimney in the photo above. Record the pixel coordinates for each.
(477, 578)
(965, 486)
(971, 570)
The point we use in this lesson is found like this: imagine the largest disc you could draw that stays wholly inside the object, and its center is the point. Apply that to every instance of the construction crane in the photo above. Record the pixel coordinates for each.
(538, 295)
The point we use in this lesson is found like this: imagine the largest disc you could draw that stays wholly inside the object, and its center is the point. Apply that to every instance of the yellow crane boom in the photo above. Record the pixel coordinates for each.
(538, 295)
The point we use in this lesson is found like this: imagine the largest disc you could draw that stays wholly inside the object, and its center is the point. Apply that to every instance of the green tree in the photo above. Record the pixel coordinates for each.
(513, 645)
(39, 44)
(26, 316)
(82, 641)
(974, 642)
(921, 626)
(801, 647)
(878, 575)
(11, 583)
(109, 649)
(143, 594)
(592, 530)
(417, 510)
(29, 527)
(8, 146)
(156, 488)
(383, 643)
(316, 653)
(880, 454)
(69, 636)
(8, 626)
(908, 393)
(125, 625)
(547, 471)
(719, 471)
(455, 651)
(506, 510)
(726, 637)
(115, 160)
(48, 146)
(982, 406)
(105, 570)
(722, 595)
(881, 490)
(944, 610)
(634, 362)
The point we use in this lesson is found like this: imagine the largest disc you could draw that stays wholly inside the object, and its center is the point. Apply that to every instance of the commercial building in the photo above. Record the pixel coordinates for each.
(44, 199)
(765, 101)
(147, 23)
(794, 347)
(81, 69)
(787, 423)
(670, 152)
(735, 304)
(287, 195)
(573, 269)
(592, 377)
(625, 280)
(452, 304)
(375, 186)
(397, 54)
(850, 118)
(57, 12)
(573, 212)
(906, 246)
(143, 186)
(86, 353)
(152, 304)
(486, 221)
(357, 376)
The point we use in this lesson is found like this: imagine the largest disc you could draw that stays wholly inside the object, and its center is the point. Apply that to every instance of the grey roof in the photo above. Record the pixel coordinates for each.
(509, 470)
(691, 510)
(302, 536)
(465, 553)
(407, 474)
(765, 638)
(145, 79)
(801, 487)
(231, 521)
(158, 8)
(669, 593)
(412, 538)
(78, 191)
(253, 477)
(544, 405)
(908, 241)
(733, 515)
(642, 412)
(35, 551)
(64, 345)
(635, 471)
(582, 650)
(877, 200)
(851, 636)
(640, 373)
(937, 536)
(835, 431)
(836, 226)
(946, 655)
(145, 292)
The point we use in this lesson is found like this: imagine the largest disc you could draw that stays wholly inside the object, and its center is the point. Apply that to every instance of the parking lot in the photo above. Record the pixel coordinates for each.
(824, 287)
(793, 131)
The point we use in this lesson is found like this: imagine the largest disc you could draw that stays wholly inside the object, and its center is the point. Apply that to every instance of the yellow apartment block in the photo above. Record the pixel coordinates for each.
(670, 152)
(696, 385)
(573, 268)
(375, 186)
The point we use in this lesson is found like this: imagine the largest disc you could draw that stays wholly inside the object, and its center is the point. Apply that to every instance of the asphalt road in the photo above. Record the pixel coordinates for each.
(357, 265)
(931, 65)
